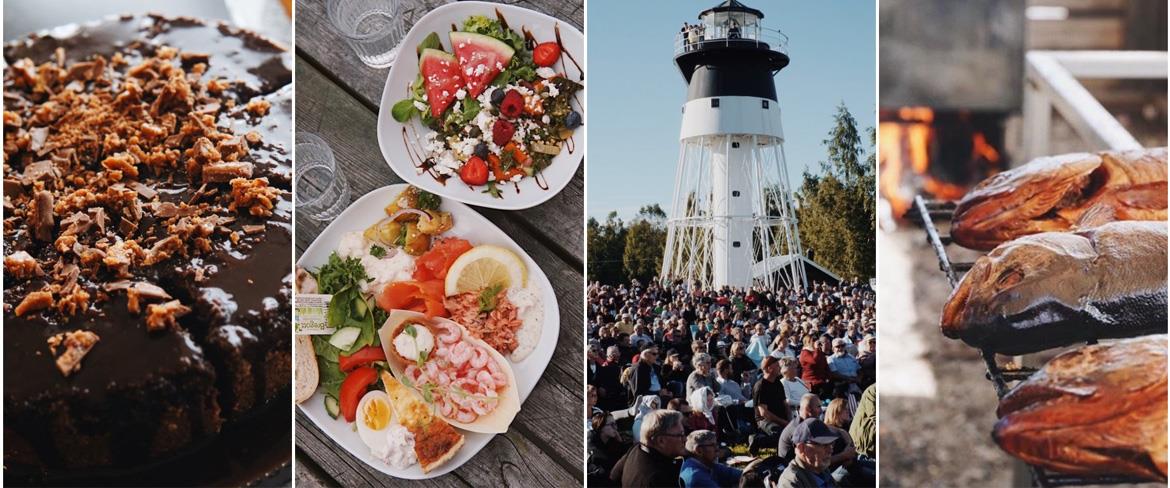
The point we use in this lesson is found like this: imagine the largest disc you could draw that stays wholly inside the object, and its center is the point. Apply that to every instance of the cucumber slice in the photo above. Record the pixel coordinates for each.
(360, 307)
(345, 337)
(332, 407)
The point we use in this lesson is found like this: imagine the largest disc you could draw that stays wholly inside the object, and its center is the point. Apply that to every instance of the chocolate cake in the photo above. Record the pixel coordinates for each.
(147, 240)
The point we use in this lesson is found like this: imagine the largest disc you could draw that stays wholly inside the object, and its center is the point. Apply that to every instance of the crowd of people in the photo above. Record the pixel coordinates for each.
(681, 382)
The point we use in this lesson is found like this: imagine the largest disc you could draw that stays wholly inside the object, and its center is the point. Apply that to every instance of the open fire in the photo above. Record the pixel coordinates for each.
(938, 153)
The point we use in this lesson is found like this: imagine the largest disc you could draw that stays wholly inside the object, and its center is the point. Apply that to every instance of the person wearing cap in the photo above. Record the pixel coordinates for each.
(813, 441)
(701, 468)
(652, 462)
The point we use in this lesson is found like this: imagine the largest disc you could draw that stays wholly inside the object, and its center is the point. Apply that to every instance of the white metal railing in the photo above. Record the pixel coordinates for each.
(1051, 83)
(712, 36)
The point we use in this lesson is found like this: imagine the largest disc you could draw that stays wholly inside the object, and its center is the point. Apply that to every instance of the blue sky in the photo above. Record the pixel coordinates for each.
(636, 92)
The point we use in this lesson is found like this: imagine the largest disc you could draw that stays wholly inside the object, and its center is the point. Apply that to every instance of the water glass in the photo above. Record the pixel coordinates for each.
(373, 28)
(321, 190)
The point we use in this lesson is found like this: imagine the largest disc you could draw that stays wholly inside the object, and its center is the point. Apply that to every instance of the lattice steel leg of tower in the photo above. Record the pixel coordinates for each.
(732, 217)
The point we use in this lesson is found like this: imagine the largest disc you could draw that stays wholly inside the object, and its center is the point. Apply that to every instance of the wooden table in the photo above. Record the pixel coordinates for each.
(337, 98)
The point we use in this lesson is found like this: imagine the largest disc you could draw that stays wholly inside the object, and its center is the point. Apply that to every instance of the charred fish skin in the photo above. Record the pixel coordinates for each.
(1099, 409)
(1056, 289)
(1060, 193)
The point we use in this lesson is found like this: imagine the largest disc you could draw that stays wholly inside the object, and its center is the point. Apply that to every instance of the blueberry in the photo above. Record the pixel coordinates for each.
(481, 150)
(573, 120)
(497, 97)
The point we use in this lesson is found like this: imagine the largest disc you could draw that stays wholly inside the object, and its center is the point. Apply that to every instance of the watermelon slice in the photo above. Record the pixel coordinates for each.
(441, 78)
(481, 58)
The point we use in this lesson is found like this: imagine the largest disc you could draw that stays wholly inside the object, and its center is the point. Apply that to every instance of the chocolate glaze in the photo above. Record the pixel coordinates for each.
(271, 157)
(160, 392)
(260, 64)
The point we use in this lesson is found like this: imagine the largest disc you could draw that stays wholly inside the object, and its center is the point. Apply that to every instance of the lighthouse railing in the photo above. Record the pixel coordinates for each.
(706, 36)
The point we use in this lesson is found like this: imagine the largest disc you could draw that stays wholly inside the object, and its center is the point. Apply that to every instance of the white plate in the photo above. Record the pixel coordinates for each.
(469, 225)
(395, 146)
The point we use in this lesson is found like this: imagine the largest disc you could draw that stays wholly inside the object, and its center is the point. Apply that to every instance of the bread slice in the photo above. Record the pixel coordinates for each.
(307, 375)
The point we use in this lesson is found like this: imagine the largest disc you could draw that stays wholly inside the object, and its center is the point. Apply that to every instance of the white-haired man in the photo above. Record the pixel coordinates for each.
(702, 468)
(653, 462)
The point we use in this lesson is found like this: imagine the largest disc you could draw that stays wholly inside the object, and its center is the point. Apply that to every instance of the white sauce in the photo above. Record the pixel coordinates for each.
(396, 266)
(530, 311)
(410, 347)
(399, 449)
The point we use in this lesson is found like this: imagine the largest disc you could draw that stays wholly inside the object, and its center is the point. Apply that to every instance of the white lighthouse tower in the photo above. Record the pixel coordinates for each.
(732, 220)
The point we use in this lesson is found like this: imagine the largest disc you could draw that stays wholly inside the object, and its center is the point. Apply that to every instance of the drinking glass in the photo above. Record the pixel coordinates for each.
(373, 28)
(321, 190)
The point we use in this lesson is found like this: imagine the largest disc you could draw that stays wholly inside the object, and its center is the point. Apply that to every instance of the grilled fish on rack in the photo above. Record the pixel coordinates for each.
(1059, 288)
(1096, 410)
(1060, 193)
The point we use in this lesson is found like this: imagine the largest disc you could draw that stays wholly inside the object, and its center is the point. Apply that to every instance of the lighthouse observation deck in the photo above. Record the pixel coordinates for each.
(718, 37)
(730, 52)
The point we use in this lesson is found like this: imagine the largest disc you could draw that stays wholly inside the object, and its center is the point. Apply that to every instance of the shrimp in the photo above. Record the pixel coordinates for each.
(485, 379)
(442, 351)
(497, 374)
(480, 359)
(415, 374)
(445, 409)
(460, 354)
(465, 416)
(450, 334)
(433, 372)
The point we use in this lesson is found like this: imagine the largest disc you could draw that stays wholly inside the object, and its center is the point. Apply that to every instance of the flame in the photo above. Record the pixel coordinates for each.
(907, 137)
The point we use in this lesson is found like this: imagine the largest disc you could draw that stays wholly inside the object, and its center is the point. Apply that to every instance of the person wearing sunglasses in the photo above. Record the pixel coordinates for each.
(702, 467)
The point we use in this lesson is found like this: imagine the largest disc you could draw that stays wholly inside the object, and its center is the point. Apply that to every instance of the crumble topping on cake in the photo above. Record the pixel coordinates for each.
(77, 344)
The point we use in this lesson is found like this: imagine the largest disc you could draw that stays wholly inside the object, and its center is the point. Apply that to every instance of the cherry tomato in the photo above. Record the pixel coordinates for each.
(546, 54)
(474, 172)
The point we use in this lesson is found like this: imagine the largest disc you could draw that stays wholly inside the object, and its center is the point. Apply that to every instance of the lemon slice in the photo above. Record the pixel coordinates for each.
(484, 266)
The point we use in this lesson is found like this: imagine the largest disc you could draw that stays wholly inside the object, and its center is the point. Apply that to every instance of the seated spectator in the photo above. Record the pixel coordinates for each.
(647, 377)
(612, 395)
(810, 408)
(702, 411)
(740, 363)
(851, 469)
(727, 384)
(794, 388)
(605, 448)
(771, 407)
(652, 462)
(645, 405)
(701, 468)
(842, 363)
(702, 375)
(814, 366)
(813, 442)
(863, 429)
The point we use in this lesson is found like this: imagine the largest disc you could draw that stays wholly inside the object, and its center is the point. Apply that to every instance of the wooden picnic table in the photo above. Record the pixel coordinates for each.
(337, 99)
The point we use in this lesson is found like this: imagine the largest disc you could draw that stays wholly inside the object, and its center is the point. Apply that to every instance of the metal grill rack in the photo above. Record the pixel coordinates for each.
(927, 212)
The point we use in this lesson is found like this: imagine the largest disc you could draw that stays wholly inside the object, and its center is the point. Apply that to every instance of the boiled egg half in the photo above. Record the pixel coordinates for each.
(374, 418)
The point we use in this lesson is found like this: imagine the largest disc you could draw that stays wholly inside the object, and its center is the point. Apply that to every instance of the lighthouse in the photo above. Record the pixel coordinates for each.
(732, 222)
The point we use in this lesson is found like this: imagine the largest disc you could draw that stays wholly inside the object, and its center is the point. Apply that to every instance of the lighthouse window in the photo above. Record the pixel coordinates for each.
(714, 103)
(735, 193)
(735, 244)
(765, 104)
(735, 145)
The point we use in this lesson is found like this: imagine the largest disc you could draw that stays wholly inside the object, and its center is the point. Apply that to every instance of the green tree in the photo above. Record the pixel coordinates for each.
(607, 243)
(645, 243)
(837, 208)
